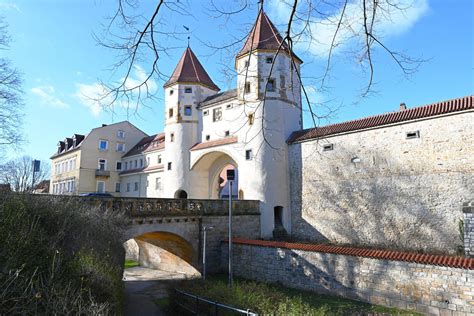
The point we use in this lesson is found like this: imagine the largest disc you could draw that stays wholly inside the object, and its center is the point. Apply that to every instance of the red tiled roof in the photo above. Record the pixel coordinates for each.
(190, 70)
(443, 107)
(214, 143)
(156, 167)
(438, 260)
(146, 144)
(264, 35)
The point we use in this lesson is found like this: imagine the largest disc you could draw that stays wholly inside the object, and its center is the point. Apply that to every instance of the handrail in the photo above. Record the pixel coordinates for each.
(198, 298)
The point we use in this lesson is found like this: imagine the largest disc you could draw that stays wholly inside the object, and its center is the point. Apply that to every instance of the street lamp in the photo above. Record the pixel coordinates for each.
(204, 231)
(230, 178)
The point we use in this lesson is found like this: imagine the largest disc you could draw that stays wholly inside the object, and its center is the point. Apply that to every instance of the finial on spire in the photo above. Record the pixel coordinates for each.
(261, 5)
(188, 40)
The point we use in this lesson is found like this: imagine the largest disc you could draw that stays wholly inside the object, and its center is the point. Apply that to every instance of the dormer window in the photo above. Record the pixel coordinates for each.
(188, 90)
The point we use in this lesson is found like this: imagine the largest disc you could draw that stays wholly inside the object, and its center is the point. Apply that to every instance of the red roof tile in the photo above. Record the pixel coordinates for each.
(444, 107)
(264, 35)
(190, 70)
(146, 144)
(447, 261)
(214, 143)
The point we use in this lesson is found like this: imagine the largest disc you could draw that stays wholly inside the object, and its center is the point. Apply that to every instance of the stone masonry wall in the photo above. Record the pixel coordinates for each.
(428, 289)
(377, 188)
(468, 210)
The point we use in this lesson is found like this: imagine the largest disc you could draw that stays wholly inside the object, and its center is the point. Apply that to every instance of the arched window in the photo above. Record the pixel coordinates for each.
(180, 194)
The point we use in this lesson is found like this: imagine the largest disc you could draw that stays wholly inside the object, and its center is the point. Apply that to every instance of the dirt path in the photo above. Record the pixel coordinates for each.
(143, 286)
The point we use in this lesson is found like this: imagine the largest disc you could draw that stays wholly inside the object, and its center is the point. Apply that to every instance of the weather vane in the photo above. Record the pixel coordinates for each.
(187, 29)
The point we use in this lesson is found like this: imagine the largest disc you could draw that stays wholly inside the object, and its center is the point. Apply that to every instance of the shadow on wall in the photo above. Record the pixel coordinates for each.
(376, 202)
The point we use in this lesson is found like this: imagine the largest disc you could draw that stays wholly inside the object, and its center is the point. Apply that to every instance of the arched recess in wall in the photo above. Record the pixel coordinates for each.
(212, 167)
(180, 194)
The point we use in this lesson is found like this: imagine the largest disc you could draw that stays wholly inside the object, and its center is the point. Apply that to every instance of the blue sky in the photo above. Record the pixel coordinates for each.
(54, 48)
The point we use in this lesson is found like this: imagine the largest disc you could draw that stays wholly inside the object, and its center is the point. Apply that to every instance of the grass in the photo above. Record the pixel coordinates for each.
(131, 264)
(273, 299)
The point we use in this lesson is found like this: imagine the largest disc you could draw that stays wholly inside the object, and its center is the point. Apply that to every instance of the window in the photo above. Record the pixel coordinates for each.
(120, 147)
(206, 112)
(217, 114)
(188, 90)
(141, 162)
(227, 133)
(251, 118)
(208, 137)
(103, 144)
(118, 166)
(328, 147)
(147, 161)
(128, 187)
(248, 154)
(170, 113)
(411, 135)
(70, 165)
(269, 60)
(271, 85)
(247, 87)
(102, 164)
(147, 183)
(188, 110)
(171, 92)
(135, 186)
(101, 186)
(159, 158)
(126, 165)
(169, 165)
(158, 184)
(136, 164)
(246, 63)
(229, 106)
(117, 186)
(172, 137)
(120, 134)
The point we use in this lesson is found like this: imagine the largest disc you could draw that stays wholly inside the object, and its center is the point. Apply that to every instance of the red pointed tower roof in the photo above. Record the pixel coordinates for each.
(264, 36)
(190, 70)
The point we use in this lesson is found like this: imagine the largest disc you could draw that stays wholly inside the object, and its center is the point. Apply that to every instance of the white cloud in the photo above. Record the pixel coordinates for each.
(47, 96)
(95, 96)
(9, 6)
(390, 22)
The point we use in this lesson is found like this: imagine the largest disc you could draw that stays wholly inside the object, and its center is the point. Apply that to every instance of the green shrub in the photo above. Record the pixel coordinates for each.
(59, 257)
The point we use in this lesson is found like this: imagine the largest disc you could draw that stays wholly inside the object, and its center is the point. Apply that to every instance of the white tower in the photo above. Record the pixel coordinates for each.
(268, 84)
(189, 84)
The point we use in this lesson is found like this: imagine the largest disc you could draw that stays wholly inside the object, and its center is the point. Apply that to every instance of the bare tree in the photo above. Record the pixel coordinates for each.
(11, 103)
(140, 36)
(18, 173)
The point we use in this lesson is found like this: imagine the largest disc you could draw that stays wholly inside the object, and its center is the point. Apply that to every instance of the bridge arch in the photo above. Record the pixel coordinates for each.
(211, 167)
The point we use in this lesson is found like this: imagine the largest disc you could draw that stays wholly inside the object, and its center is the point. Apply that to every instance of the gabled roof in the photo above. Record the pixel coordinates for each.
(218, 97)
(147, 144)
(214, 143)
(264, 36)
(190, 70)
(443, 107)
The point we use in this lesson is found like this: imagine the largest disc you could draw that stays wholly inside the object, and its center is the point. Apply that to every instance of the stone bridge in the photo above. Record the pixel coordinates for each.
(168, 233)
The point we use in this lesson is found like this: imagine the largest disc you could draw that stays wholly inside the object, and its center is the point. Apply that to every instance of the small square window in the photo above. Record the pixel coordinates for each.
(217, 115)
(248, 154)
(271, 85)
(118, 166)
(206, 112)
(411, 135)
(247, 87)
(269, 60)
(169, 165)
(120, 147)
(188, 110)
(229, 106)
(120, 134)
(117, 187)
(172, 137)
(103, 144)
(208, 137)
(171, 92)
(328, 147)
(170, 113)
(227, 133)
(188, 90)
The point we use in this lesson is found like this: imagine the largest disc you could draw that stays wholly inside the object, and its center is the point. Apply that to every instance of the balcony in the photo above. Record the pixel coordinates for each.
(102, 173)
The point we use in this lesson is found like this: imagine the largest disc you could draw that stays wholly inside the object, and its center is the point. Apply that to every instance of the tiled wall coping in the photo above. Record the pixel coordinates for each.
(438, 260)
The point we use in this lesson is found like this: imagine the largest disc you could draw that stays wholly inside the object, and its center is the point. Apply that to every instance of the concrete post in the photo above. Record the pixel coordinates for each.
(468, 211)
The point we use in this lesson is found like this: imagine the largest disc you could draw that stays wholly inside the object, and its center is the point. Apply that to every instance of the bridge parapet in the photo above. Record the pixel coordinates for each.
(146, 207)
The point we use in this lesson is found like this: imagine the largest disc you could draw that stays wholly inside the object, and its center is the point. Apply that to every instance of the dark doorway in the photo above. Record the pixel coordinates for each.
(278, 216)
(180, 194)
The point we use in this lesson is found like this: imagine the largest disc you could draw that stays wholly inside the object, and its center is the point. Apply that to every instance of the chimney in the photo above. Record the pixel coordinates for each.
(403, 106)
(104, 125)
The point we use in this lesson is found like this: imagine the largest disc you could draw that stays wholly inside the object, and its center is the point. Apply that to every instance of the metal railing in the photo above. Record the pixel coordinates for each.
(197, 305)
